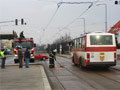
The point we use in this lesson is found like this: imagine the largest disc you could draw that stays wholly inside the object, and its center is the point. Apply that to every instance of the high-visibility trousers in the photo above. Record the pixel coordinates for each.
(51, 63)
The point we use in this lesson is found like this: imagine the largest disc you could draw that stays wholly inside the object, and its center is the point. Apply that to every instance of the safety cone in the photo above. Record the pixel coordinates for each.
(23, 60)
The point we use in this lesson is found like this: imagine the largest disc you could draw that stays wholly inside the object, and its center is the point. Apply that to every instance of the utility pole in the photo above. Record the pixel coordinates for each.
(84, 23)
(105, 15)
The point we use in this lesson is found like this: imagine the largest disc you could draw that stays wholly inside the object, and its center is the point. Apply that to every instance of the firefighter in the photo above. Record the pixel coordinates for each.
(52, 57)
(22, 35)
(20, 56)
(3, 58)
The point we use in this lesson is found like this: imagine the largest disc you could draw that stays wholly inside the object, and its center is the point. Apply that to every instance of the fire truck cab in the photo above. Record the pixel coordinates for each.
(24, 43)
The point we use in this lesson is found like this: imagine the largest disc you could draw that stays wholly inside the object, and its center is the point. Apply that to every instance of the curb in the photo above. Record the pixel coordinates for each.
(45, 79)
(23, 64)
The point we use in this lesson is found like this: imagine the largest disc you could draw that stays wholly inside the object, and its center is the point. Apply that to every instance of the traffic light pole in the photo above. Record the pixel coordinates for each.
(7, 21)
(16, 21)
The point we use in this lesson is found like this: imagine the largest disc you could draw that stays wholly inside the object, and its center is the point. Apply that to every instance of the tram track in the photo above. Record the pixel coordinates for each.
(58, 81)
(62, 86)
(81, 78)
(85, 76)
(99, 74)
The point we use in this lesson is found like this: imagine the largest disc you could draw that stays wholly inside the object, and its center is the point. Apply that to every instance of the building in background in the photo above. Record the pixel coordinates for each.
(6, 39)
(116, 30)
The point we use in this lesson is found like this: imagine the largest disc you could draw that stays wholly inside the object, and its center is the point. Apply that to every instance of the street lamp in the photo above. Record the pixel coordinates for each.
(105, 15)
(84, 23)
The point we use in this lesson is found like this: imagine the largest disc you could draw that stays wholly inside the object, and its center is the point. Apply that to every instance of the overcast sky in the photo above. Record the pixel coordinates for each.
(38, 13)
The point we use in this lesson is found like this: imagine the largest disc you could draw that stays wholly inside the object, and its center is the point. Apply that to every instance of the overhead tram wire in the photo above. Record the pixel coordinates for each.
(72, 21)
(59, 4)
(81, 14)
(51, 18)
(78, 17)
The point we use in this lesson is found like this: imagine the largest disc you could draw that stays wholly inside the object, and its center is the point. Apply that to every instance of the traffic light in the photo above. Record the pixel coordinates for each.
(116, 2)
(16, 21)
(22, 21)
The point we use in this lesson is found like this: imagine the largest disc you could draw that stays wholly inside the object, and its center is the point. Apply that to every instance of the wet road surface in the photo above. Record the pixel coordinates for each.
(74, 78)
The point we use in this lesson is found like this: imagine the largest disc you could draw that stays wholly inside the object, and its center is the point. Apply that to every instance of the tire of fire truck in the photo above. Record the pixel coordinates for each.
(80, 63)
(16, 61)
(74, 61)
(32, 60)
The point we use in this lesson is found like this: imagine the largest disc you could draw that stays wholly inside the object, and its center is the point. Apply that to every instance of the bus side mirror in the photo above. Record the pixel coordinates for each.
(34, 45)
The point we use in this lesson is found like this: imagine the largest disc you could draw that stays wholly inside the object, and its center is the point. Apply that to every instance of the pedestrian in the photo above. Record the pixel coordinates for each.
(22, 35)
(20, 56)
(3, 57)
(52, 57)
(27, 57)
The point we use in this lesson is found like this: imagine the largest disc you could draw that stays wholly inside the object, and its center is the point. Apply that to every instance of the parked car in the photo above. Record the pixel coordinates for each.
(41, 57)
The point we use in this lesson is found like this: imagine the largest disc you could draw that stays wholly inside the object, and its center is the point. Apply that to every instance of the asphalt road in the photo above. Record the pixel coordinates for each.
(70, 77)
(10, 60)
(74, 78)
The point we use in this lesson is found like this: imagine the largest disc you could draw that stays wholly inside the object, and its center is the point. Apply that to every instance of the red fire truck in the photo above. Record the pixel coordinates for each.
(23, 43)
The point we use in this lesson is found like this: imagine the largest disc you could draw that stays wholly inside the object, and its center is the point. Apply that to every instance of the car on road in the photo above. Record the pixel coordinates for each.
(41, 57)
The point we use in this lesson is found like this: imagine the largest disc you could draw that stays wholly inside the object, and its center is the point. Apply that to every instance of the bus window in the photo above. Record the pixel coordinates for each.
(75, 44)
(83, 42)
(101, 40)
(79, 43)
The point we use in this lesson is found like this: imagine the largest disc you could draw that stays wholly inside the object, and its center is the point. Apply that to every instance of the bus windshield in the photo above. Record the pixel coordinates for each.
(24, 44)
(101, 40)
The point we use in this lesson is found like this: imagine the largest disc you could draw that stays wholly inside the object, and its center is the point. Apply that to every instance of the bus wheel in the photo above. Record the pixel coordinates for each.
(81, 66)
(74, 62)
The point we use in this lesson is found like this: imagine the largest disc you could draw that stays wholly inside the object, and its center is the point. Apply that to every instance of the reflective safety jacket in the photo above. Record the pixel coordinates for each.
(2, 54)
(51, 55)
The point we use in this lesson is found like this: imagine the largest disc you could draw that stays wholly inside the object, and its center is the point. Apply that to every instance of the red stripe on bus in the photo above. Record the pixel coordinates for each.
(96, 49)
(101, 49)
(78, 49)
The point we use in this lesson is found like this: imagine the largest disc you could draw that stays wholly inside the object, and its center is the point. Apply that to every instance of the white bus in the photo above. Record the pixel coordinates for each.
(94, 49)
